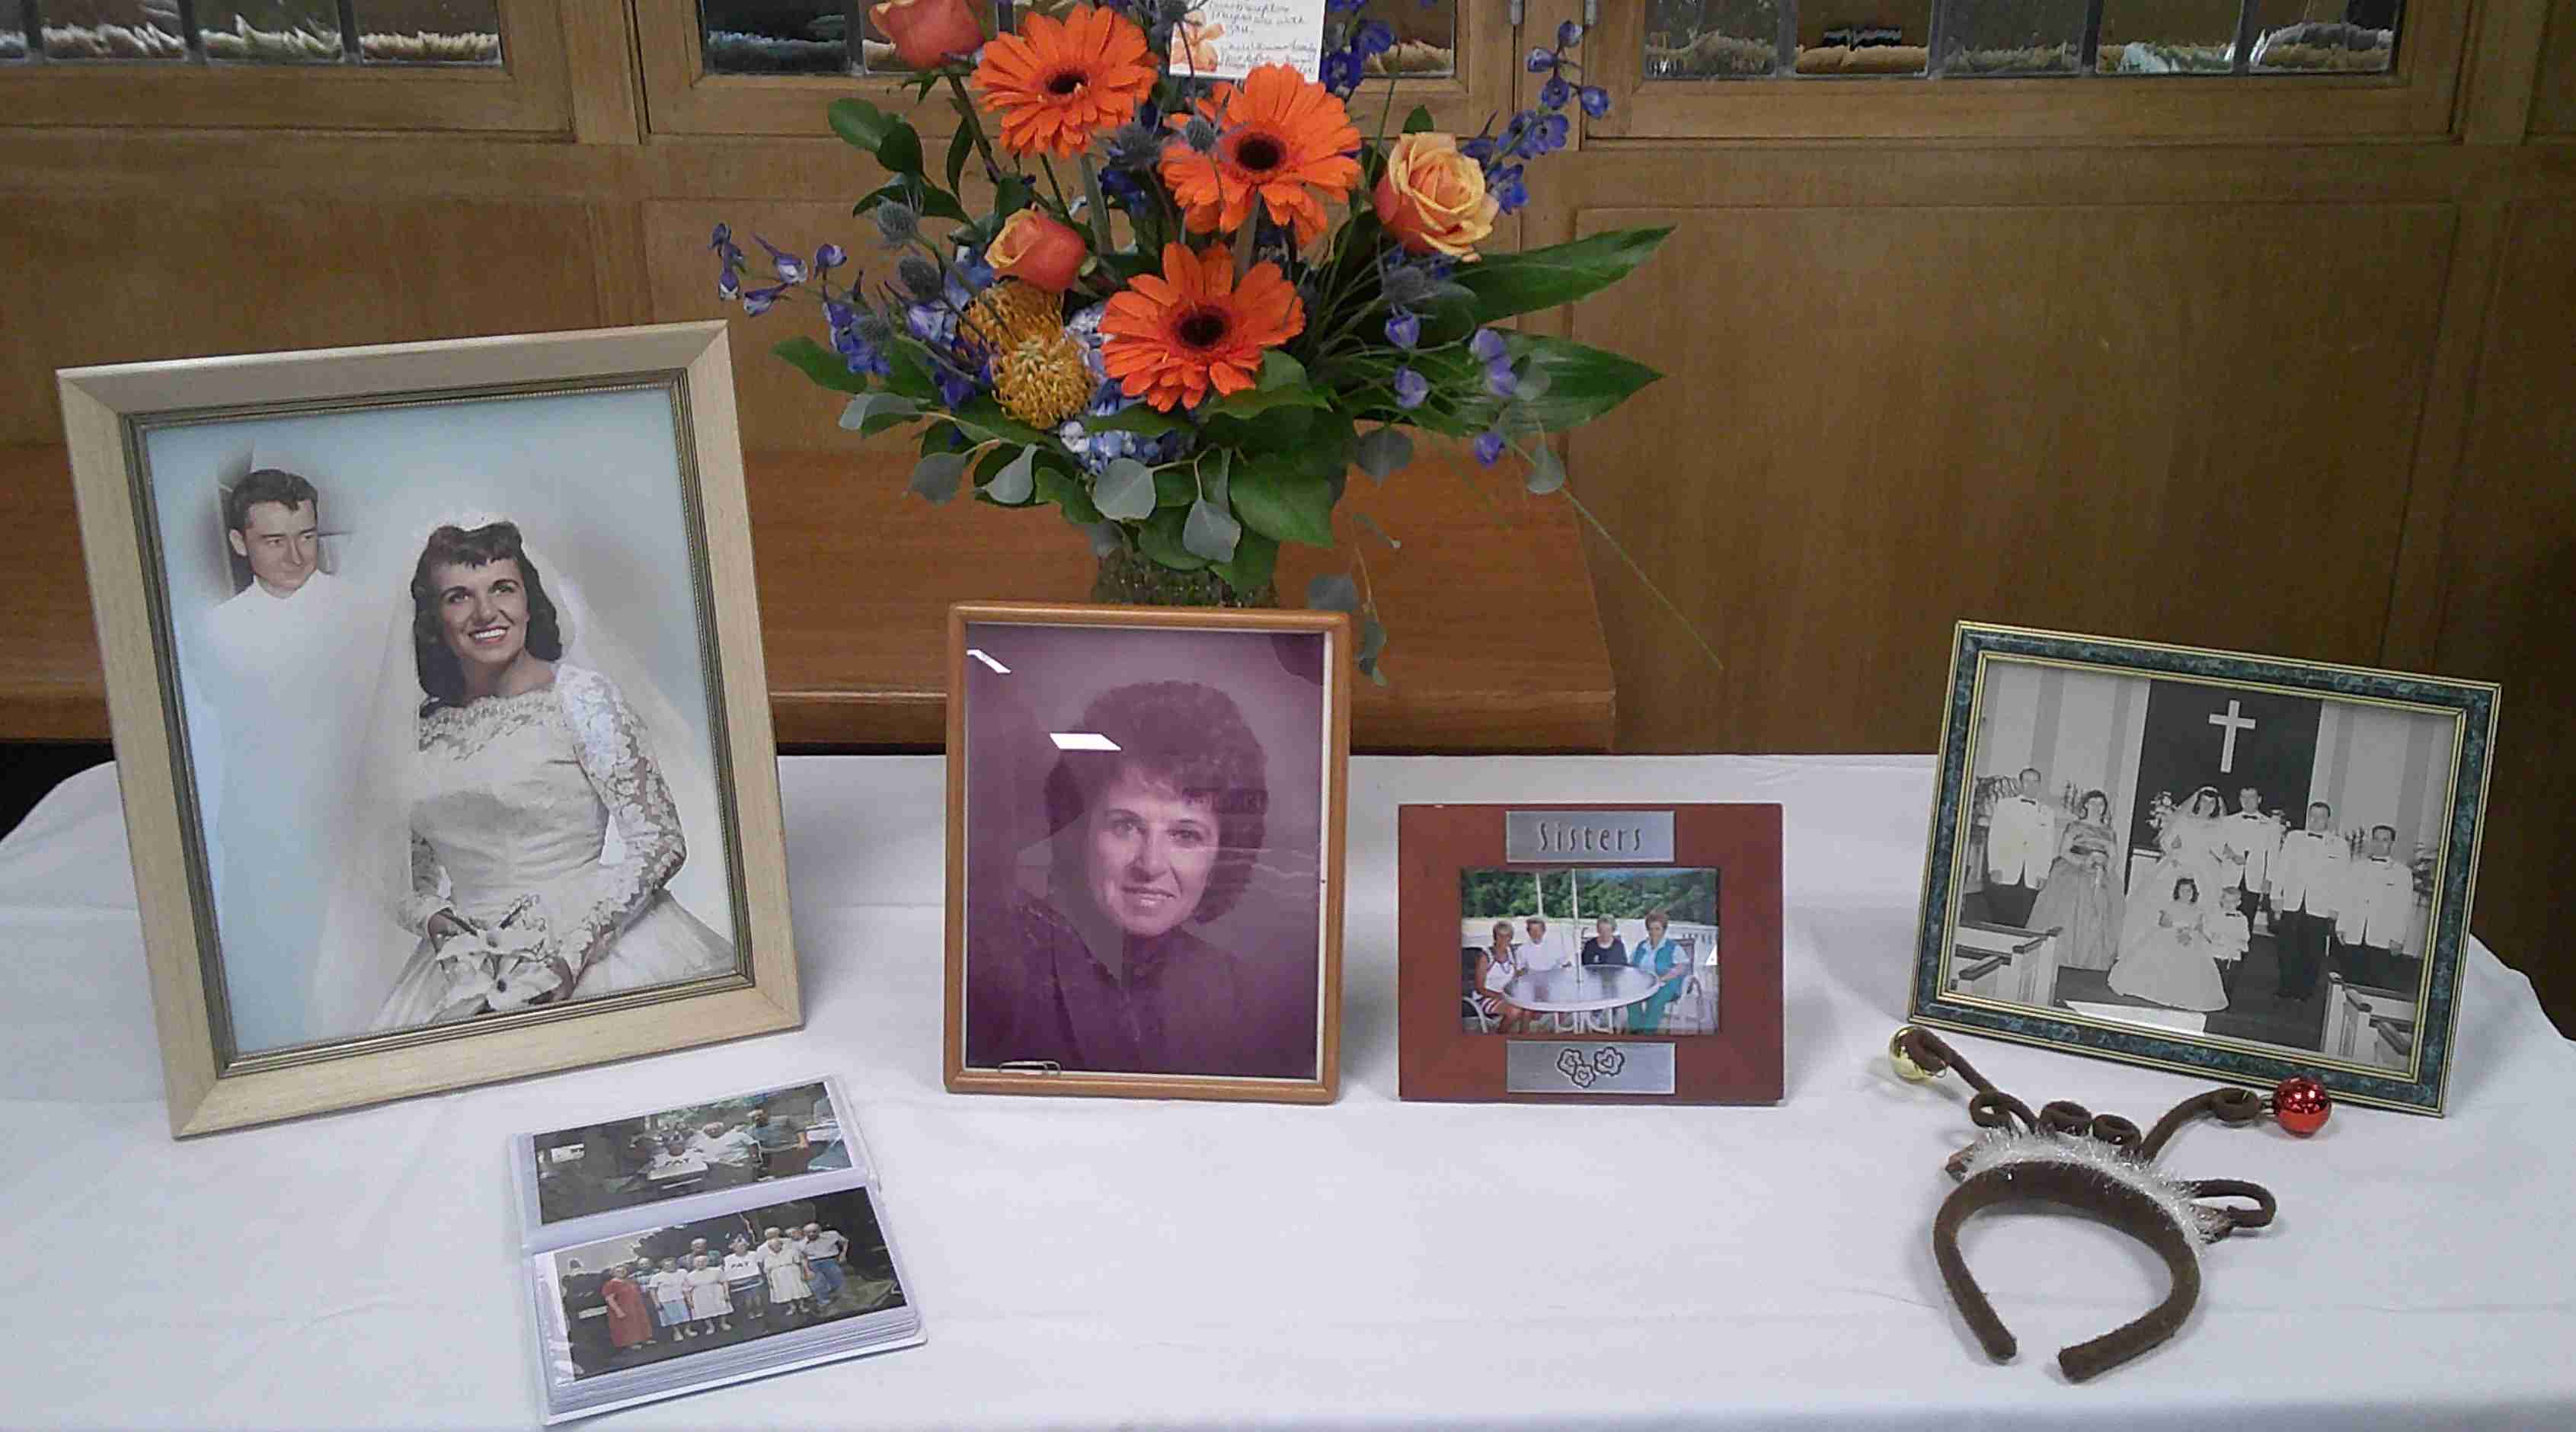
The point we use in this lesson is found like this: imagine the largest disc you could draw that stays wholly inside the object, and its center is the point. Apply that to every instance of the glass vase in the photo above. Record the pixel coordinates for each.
(1128, 578)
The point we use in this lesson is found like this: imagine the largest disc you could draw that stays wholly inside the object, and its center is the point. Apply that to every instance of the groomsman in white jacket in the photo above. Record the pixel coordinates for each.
(2307, 882)
(2021, 840)
(2376, 915)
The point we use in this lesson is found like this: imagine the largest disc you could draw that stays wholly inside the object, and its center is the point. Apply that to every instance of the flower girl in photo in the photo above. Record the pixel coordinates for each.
(2170, 951)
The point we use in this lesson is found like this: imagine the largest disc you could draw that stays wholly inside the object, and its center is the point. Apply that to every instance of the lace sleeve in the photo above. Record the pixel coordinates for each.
(428, 893)
(610, 743)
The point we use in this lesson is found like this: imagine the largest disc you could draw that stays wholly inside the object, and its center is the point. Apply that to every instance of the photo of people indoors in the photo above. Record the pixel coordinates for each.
(736, 1278)
(2233, 862)
(1588, 951)
(691, 1149)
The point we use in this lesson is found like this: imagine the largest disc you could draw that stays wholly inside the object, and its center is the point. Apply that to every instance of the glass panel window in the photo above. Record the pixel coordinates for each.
(780, 37)
(13, 30)
(1712, 39)
(1864, 38)
(2012, 37)
(2324, 36)
(2168, 37)
(1426, 39)
(428, 32)
(113, 30)
(270, 31)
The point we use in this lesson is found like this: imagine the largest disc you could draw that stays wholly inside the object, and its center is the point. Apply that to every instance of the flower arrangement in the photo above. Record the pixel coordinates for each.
(1192, 305)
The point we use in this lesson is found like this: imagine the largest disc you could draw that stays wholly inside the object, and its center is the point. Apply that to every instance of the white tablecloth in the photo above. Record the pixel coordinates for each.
(1373, 1262)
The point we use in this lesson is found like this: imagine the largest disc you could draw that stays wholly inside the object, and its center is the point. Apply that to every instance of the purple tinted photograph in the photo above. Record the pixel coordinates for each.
(1144, 834)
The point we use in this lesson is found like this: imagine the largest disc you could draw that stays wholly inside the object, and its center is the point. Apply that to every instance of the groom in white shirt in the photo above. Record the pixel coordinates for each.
(2307, 883)
(2376, 916)
(2021, 840)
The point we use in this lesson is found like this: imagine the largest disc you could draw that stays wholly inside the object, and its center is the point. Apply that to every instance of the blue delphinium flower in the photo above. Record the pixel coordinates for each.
(1489, 447)
(1411, 388)
(1595, 100)
(757, 301)
(1373, 37)
(1506, 187)
(1568, 35)
(970, 270)
(1542, 60)
(1486, 345)
(1343, 70)
(954, 388)
(1555, 93)
(728, 284)
(789, 268)
(830, 257)
(1405, 329)
(1547, 135)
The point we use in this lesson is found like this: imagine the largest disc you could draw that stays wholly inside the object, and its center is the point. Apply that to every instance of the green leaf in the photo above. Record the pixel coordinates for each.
(1014, 193)
(826, 368)
(1066, 491)
(984, 418)
(1174, 487)
(1283, 429)
(900, 150)
(961, 147)
(1582, 382)
(1276, 500)
(936, 475)
(1017, 480)
(1253, 401)
(908, 371)
(1509, 283)
(861, 123)
(1125, 490)
(1138, 419)
(1326, 451)
(1211, 531)
(870, 413)
(1255, 558)
(1384, 452)
(1419, 120)
(1278, 370)
(1161, 541)
(938, 203)
(1448, 314)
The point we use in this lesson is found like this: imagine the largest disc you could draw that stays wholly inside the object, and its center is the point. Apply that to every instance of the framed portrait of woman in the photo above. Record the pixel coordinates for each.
(1145, 813)
(2208, 861)
(435, 680)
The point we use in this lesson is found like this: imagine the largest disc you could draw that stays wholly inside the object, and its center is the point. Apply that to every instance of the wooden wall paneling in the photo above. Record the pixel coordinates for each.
(128, 279)
(2553, 109)
(2504, 56)
(605, 74)
(2151, 420)
(2510, 587)
(2411, 642)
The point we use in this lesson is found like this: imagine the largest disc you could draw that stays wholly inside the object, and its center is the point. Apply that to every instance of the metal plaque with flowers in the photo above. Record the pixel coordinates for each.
(1193, 305)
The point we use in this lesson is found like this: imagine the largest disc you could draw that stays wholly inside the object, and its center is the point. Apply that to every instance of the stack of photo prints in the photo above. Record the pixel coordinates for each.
(700, 1246)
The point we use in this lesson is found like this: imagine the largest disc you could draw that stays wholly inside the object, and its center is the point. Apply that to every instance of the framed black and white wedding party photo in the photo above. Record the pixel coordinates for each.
(435, 679)
(2208, 861)
(1145, 811)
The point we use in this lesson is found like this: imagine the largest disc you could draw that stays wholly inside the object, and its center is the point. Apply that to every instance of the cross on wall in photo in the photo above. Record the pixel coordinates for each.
(2228, 738)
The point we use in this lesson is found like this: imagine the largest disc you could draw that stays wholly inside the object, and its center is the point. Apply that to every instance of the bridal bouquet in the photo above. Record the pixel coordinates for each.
(507, 965)
(1192, 306)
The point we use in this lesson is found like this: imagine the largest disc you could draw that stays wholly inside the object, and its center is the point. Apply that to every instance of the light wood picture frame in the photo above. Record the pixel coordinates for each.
(630, 431)
(1116, 926)
(2211, 862)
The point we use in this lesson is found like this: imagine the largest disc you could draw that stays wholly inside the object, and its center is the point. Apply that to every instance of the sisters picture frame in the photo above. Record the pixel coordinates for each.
(2207, 861)
(435, 679)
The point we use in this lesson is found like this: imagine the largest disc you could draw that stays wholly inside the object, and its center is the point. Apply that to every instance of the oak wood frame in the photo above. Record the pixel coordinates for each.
(529, 92)
(101, 408)
(1335, 628)
(1741, 1063)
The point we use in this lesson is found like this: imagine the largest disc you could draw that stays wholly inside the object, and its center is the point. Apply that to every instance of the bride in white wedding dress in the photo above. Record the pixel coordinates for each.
(522, 767)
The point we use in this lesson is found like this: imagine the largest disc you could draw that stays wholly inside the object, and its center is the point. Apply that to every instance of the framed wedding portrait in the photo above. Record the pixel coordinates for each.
(1145, 811)
(2207, 861)
(441, 725)
(1589, 954)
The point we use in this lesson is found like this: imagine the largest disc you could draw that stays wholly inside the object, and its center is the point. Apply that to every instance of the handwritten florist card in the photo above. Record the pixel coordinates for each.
(1227, 39)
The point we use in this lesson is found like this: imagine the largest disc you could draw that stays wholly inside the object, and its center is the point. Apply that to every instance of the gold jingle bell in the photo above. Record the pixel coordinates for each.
(1906, 1068)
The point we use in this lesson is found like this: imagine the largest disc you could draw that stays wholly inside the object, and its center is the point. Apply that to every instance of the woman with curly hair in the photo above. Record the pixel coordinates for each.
(1155, 835)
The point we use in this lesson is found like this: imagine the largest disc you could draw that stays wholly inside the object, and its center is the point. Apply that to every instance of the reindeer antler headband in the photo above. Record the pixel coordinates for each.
(2101, 1165)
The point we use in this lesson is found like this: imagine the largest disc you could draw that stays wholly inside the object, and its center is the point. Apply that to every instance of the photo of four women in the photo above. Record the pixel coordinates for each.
(1491, 970)
(506, 802)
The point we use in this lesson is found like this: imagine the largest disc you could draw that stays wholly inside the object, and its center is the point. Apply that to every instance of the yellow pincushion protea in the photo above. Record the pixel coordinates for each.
(1038, 371)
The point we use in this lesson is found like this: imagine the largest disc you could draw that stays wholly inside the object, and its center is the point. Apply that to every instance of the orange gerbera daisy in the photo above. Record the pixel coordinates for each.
(1281, 137)
(1168, 340)
(1059, 82)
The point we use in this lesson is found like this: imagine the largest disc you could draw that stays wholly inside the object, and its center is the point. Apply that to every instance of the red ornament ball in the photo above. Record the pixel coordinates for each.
(2301, 1105)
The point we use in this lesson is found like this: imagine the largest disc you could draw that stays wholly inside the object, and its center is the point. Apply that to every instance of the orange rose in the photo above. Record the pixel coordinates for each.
(927, 32)
(1433, 198)
(1037, 251)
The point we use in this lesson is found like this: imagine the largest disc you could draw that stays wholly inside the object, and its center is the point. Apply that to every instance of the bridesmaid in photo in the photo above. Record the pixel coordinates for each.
(2082, 898)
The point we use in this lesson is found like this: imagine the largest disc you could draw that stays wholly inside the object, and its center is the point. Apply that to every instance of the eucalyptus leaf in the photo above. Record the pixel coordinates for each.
(1125, 490)
(1160, 540)
(1211, 531)
(936, 475)
(1017, 481)
(1383, 452)
(1105, 540)
(1276, 500)
(1066, 491)
(1530, 279)
(868, 406)
(1547, 471)
(1333, 592)
(1372, 639)
(824, 367)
